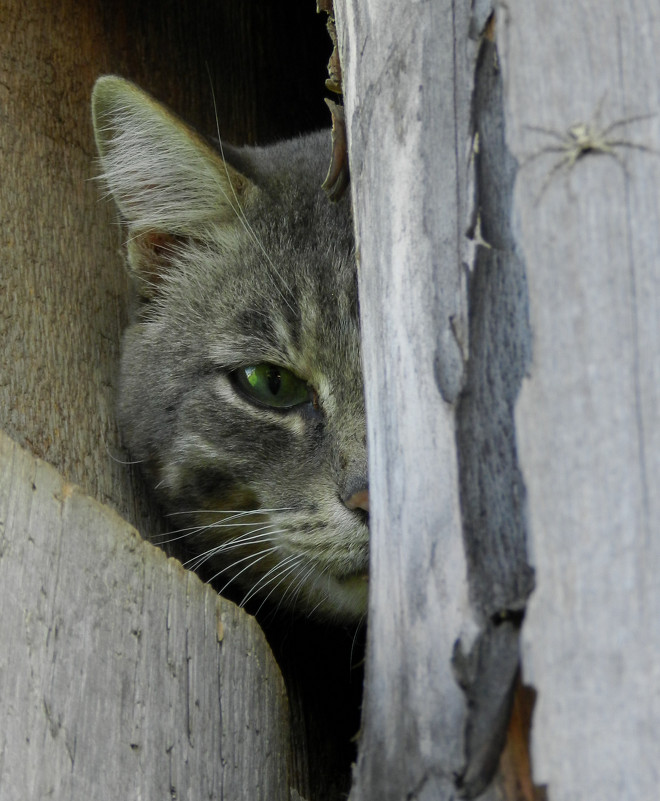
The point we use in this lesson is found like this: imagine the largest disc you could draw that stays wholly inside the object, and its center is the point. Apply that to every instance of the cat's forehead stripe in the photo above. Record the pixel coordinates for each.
(261, 268)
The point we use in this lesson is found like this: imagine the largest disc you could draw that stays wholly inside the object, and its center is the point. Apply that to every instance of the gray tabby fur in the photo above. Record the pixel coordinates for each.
(237, 266)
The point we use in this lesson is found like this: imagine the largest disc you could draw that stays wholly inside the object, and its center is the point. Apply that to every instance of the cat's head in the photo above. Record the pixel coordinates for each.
(241, 388)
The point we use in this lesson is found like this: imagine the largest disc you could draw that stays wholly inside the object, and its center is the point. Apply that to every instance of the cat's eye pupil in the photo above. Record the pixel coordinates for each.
(274, 380)
(270, 385)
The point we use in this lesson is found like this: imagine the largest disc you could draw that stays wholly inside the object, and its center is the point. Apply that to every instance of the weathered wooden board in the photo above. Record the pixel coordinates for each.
(448, 550)
(588, 419)
(446, 341)
(63, 286)
(122, 676)
(63, 289)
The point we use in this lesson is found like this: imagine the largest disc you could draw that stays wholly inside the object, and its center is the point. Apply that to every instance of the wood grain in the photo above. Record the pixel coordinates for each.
(121, 674)
(63, 291)
(588, 420)
(407, 113)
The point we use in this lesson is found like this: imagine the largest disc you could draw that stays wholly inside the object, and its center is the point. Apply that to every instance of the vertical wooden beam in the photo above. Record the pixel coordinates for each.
(582, 101)
(407, 106)
(432, 187)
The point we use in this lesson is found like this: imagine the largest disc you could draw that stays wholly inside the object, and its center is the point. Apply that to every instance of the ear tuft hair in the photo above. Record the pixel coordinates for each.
(161, 173)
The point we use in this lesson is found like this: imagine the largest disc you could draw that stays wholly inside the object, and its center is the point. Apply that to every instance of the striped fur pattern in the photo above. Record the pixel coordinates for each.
(239, 259)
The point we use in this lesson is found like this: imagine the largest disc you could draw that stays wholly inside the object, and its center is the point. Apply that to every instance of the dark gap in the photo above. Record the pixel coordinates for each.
(266, 65)
(491, 486)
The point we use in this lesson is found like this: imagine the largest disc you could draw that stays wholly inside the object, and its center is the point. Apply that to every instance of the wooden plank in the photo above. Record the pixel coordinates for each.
(588, 419)
(432, 185)
(121, 674)
(63, 286)
(407, 111)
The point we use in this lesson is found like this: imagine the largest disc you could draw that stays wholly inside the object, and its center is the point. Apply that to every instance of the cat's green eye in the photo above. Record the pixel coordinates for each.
(271, 385)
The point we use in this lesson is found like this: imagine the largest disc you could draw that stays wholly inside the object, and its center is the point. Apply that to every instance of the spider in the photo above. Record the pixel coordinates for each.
(582, 139)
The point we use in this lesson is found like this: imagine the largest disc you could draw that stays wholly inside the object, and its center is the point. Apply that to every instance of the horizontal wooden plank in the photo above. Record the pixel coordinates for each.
(121, 674)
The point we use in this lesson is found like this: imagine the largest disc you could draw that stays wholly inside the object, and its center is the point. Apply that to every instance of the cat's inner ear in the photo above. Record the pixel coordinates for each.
(150, 256)
(168, 183)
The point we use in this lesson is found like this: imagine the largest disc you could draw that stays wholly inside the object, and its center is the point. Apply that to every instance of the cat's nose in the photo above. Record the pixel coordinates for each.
(358, 500)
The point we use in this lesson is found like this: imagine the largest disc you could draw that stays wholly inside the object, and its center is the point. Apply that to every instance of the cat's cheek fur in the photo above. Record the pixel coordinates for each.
(238, 264)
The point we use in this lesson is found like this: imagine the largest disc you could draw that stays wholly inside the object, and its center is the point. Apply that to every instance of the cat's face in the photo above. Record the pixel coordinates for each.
(241, 388)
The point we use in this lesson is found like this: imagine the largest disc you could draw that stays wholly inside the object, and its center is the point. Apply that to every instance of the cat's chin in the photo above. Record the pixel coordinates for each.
(339, 599)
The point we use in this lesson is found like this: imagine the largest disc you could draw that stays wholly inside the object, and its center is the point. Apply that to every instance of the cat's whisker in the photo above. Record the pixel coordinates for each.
(117, 460)
(261, 555)
(165, 539)
(296, 587)
(283, 575)
(216, 524)
(310, 612)
(358, 628)
(200, 559)
(234, 512)
(237, 542)
(238, 210)
(301, 584)
(281, 570)
(189, 532)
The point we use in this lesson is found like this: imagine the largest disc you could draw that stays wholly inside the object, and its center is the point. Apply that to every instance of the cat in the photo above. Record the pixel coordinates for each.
(240, 387)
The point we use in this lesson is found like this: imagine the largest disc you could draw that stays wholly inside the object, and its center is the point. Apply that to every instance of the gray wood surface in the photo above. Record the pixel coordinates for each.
(448, 548)
(122, 676)
(63, 289)
(492, 490)
(410, 290)
(63, 286)
(588, 420)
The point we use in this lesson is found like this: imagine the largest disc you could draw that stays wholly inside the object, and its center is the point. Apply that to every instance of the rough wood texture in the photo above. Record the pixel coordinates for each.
(63, 287)
(434, 231)
(588, 419)
(410, 245)
(121, 674)
(449, 573)
(63, 291)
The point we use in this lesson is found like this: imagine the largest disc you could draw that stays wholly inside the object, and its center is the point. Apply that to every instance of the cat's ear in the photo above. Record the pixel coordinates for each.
(167, 182)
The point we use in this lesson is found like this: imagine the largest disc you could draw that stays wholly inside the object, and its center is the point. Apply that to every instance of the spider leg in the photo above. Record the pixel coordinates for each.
(556, 167)
(627, 121)
(619, 160)
(544, 151)
(547, 131)
(633, 146)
